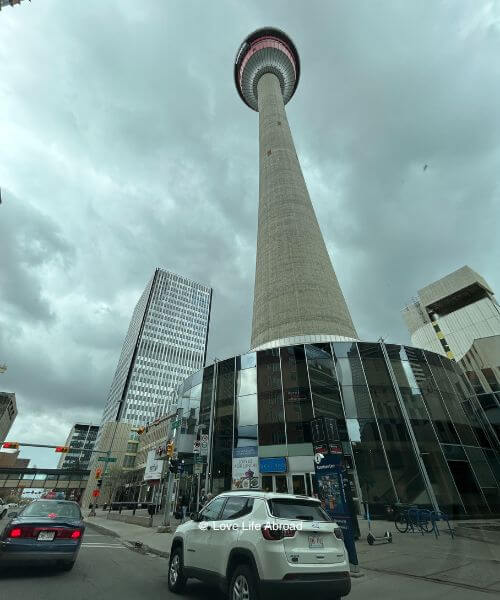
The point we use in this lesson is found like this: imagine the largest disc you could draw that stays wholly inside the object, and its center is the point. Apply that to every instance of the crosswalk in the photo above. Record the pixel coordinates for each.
(102, 541)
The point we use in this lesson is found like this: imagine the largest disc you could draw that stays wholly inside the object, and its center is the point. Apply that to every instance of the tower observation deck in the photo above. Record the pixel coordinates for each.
(297, 297)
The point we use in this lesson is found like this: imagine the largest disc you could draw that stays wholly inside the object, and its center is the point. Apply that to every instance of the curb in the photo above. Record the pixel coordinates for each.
(102, 529)
(144, 549)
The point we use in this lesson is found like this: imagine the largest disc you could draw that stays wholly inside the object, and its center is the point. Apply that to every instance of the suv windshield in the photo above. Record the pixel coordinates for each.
(306, 510)
(52, 508)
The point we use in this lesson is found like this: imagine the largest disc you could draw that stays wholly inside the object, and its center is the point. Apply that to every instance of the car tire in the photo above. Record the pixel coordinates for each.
(67, 566)
(244, 584)
(176, 579)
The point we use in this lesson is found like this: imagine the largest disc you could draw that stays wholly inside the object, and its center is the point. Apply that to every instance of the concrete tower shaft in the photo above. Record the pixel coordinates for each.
(297, 296)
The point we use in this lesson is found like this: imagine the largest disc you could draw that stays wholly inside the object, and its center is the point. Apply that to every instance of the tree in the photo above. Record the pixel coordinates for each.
(113, 480)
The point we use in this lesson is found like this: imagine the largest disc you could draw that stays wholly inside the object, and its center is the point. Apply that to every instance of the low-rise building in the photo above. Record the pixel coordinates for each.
(118, 442)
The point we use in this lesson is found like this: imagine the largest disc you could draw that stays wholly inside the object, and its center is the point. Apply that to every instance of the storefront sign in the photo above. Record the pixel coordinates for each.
(273, 465)
(245, 468)
(153, 467)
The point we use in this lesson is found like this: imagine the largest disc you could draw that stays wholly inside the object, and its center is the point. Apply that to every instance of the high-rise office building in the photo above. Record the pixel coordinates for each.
(451, 313)
(297, 297)
(8, 412)
(81, 441)
(166, 341)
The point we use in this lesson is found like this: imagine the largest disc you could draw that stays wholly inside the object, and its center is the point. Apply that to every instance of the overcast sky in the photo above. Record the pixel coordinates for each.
(124, 147)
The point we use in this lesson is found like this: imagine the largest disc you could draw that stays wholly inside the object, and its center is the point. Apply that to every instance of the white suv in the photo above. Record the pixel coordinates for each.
(257, 544)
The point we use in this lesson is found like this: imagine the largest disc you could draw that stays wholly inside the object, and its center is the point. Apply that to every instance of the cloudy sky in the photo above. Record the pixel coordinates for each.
(124, 146)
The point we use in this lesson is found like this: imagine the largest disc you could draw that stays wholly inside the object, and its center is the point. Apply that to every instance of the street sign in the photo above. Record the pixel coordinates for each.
(199, 459)
(204, 444)
(107, 458)
(196, 447)
(96, 493)
(198, 468)
(176, 424)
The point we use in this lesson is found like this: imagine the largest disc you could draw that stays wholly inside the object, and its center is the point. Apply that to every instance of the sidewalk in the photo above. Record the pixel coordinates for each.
(137, 537)
(470, 561)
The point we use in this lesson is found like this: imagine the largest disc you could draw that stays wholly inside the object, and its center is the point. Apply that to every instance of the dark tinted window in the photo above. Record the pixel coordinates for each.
(52, 507)
(298, 509)
(237, 507)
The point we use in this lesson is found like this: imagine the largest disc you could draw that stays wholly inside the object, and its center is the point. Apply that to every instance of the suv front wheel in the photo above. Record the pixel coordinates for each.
(243, 584)
(176, 578)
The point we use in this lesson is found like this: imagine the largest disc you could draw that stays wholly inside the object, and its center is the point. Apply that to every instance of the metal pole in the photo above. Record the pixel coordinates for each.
(210, 429)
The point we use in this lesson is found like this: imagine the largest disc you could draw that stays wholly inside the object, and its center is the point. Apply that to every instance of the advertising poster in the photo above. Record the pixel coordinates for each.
(153, 467)
(331, 479)
(245, 468)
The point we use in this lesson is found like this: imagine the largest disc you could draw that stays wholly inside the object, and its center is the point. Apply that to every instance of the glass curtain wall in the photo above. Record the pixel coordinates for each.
(246, 413)
(222, 458)
(370, 460)
(270, 399)
(297, 396)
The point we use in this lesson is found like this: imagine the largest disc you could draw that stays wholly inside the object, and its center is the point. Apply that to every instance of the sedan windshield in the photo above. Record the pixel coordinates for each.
(52, 509)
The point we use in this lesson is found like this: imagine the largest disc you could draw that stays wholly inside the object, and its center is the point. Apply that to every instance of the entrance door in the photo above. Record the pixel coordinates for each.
(299, 484)
(275, 483)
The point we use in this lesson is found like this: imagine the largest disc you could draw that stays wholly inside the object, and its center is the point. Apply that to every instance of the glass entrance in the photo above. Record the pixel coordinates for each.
(275, 483)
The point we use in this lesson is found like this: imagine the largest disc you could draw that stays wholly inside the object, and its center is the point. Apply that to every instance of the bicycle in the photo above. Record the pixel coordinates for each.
(410, 516)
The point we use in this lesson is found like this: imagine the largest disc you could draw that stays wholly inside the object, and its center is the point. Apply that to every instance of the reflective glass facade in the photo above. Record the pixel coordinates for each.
(412, 429)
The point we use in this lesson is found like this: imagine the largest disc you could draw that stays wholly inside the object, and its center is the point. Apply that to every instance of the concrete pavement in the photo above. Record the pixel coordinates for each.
(470, 561)
(442, 569)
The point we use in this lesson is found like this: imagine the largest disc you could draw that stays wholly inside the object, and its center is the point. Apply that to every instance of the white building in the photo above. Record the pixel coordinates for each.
(453, 312)
(166, 341)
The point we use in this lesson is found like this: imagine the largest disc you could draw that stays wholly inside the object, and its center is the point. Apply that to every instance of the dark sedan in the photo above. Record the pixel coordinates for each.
(45, 530)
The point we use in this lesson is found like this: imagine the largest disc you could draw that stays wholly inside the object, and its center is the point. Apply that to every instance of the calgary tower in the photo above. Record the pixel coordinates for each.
(297, 297)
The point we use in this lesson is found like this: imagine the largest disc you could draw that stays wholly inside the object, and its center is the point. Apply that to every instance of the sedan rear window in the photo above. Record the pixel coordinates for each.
(52, 509)
(304, 510)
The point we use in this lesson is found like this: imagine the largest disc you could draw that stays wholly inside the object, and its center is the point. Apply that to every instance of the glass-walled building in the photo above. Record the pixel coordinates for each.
(411, 428)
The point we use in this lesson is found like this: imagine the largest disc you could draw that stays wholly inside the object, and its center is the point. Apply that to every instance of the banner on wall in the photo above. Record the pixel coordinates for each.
(245, 473)
(153, 467)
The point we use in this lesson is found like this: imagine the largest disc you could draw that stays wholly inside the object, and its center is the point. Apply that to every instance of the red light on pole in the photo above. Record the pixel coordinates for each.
(11, 445)
(62, 448)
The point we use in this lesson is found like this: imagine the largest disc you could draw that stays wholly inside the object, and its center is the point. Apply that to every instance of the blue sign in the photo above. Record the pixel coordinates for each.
(331, 478)
(273, 465)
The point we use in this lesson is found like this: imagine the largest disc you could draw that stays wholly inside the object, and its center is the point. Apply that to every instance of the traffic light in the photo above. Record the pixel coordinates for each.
(99, 483)
(170, 449)
(98, 473)
(62, 448)
(173, 467)
(11, 445)
(141, 430)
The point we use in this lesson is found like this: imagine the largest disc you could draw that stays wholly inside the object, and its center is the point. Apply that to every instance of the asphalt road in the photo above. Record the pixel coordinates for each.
(108, 570)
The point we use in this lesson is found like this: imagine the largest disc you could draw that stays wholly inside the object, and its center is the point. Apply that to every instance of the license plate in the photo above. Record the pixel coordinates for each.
(46, 536)
(315, 541)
